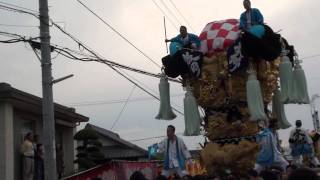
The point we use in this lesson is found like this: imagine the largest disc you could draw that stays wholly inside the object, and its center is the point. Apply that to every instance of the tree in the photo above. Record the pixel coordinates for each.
(89, 151)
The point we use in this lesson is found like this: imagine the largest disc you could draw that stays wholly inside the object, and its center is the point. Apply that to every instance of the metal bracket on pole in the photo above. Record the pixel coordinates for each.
(61, 79)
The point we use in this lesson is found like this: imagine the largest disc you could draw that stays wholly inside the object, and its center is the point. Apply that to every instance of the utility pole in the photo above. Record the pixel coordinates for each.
(47, 100)
(314, 112)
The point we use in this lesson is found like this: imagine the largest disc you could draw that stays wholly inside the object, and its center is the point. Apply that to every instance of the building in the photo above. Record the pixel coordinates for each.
(21, 113)
(114, 147)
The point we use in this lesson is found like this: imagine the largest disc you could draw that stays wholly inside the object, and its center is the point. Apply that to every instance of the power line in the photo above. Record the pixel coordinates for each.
(148, 87)
(117, 32)
(89, 58)
(86, 57)
(13, 5)
(34, 44)
(124, 106)
(95, 54)
(172, 14)
(105, 61)
(312, 56)
(7, 8)
(181, 15)
(17, 25)
(171, 22)
(117, 101)
(16, 37)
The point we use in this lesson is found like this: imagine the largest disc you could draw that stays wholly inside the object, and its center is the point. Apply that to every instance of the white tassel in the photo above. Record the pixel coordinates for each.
(191, 114)
(300, 95)
(286, 80)
(278, 110)
(165, 111)
(254, 97)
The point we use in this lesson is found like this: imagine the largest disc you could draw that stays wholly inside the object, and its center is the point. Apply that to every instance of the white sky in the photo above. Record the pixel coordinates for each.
(142, 23)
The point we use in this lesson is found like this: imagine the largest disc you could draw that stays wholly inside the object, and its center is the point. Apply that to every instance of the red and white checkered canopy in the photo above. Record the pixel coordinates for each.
(217, 36)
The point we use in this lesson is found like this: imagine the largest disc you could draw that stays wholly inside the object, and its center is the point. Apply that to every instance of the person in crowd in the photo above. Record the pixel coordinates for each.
(27, 151)
(253, 175)
(269, 154)
(34, 143)
(278, 171)
(303, 174)
(39, 163)
(289, 169)
(301, 145)
(59, 160)
(161, 177)
(137, 175)
(250, 17)
(175, 154)
(268, 175)
(187, 40)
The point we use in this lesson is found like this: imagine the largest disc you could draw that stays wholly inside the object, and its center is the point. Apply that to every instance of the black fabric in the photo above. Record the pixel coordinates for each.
(184, 62)
(236, 60)
(268, 48)
(171, 66)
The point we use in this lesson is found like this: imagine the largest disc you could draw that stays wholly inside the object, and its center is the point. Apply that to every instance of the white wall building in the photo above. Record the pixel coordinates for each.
(21, 113)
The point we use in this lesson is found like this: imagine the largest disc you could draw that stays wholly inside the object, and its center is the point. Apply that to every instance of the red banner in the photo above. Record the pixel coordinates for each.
(118, 170)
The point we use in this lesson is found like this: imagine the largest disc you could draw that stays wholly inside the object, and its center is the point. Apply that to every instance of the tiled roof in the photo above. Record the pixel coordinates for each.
(30, 103)
(129, 150)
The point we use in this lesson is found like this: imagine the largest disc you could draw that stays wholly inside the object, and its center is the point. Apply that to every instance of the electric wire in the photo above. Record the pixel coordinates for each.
(117, 32)
(185, 19)
(105, 61)
(67, 52)
(16, 6)
(312, 56)
(123, 107)
(17, 25)
(170, 20)
(116, 70)
(117, 101)
(7, 8)
(172, 14)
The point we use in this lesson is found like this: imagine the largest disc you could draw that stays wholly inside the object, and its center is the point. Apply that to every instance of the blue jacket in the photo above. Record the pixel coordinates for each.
(192, 39)
(256, 18)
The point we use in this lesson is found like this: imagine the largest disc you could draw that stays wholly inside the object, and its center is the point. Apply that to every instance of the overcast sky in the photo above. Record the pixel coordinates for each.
(141, 22)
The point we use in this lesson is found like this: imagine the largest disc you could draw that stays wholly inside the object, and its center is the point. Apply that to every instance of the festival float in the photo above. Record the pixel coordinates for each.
(234, 77)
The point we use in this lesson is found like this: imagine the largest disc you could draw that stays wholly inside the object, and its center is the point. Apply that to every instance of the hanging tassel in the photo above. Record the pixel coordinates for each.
(286, 76)
(278, 110)
(254, 97)
(165, 111)
(192, 117)
(300, 95)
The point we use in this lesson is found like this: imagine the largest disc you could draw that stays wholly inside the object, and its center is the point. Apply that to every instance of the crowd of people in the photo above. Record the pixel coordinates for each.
(270, 164)
(292, 172)
(32, 151)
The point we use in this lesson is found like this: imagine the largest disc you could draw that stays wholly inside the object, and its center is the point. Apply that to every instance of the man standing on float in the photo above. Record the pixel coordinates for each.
(250, 17)
(175, 154)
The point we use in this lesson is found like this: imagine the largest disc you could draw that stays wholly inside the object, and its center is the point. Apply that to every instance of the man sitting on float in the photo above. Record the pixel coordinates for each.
(187, 40)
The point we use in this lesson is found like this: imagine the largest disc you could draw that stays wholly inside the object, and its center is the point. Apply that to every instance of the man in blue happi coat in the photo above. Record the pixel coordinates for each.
(269, 154)
(175, 154)
(250, 17)
(186, 39)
